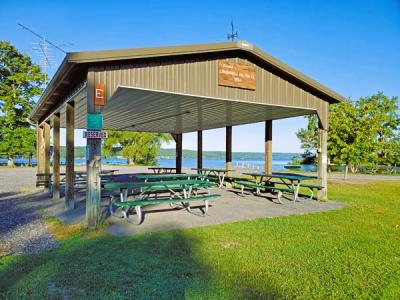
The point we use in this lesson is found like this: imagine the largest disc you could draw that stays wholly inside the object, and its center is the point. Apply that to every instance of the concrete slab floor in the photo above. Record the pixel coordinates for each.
(230, 207)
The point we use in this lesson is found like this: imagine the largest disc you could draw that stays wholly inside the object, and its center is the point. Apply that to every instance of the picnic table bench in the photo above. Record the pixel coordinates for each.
(311, 188)
(180, 191)
(260, 186)
(80, 176)
(46, 179)
(162, 170)
(43, 179)
(218, 173)
(291, 183)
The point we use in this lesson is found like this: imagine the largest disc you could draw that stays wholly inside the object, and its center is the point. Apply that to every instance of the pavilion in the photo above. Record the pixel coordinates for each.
(174, 89)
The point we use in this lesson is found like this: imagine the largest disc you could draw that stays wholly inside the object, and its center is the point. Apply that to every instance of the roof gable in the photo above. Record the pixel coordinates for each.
(76, 64)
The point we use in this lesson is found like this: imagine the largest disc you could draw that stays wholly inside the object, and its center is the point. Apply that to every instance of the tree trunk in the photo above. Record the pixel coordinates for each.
(10, 161)
(30, 160)
(131, 161)
(346, 171)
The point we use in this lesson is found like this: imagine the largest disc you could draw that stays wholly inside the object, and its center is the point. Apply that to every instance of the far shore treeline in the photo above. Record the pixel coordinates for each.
(169, 153)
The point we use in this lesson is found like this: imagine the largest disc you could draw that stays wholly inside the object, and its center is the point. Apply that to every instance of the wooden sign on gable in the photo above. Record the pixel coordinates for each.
(236, 75)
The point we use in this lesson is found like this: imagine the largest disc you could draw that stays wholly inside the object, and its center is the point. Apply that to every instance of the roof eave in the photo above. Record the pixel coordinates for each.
(135, 53)
(61, 72)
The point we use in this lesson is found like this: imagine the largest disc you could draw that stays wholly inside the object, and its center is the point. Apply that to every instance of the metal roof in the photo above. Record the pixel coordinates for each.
(159, 111)
(75, 66)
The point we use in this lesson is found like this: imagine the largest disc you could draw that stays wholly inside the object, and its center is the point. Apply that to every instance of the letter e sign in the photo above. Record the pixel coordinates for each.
(99, 94)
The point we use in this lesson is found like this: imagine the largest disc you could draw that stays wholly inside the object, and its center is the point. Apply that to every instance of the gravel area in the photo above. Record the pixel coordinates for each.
(22, 226)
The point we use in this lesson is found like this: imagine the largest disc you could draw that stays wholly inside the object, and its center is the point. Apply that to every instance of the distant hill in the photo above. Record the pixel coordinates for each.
(80, 152)
(170, 153)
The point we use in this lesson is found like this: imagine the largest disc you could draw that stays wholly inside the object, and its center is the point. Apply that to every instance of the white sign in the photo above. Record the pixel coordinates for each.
(95, 135)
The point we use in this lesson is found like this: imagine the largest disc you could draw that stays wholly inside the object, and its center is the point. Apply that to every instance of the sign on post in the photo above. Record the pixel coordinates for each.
(94, 121)
(99, 94)
(92, 134)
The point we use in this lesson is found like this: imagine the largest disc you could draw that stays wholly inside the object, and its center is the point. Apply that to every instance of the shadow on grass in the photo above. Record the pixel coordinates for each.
(168, 265)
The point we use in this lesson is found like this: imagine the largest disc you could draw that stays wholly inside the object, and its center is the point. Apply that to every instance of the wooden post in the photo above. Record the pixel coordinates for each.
(268, 147)
(178, 162)
(228, 150)
(322, 163)
(93, 164)
(56, 156)
(39, 151)
(199, 149)
(46, 128)
(69, 156)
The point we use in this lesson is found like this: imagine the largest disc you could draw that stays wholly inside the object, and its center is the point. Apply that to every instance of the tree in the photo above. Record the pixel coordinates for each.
(394, 149)
(20, 83)
(347, 144)
(360, 132)
(379, 115)
(309, 138)
(136, 147)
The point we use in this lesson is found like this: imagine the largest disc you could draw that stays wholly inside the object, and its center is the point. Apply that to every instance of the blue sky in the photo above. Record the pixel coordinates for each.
(353, 47)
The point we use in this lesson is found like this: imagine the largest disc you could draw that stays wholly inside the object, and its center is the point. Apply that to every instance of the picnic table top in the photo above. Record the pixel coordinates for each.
(77, 172)
(167, 176)
(298, 177)
(137, 185)
(161, 168)
(212, 169)
(102, 172)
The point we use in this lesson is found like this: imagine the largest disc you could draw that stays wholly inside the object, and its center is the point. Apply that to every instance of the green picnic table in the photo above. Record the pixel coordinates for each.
(180, 192)
(80, 176)
(293, 182)
(219, 173)
(163, 177)
(162, 170)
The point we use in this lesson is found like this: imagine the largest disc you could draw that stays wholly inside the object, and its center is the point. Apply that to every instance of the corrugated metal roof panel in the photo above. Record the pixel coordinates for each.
(138, 109)
(136, 62)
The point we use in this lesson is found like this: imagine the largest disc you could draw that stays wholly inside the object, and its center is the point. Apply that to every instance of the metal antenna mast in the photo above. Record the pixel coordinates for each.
(43, 50)
(234, 34)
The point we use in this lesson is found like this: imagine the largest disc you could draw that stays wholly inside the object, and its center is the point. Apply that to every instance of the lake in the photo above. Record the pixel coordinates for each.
(277, 165)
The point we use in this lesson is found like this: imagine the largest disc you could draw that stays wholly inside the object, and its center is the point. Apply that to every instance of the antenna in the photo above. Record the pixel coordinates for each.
(43, 50)
(46, 57)
(234, 34)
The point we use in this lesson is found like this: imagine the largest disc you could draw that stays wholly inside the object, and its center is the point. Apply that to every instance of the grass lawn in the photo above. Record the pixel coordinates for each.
(349, 253)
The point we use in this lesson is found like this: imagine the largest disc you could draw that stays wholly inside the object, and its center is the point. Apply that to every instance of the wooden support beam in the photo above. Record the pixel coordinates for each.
(69, 156)
(178, 162)
(199, 149)
(40, 150)
(46, 128)
(93, 164)
(228, 149)
(268, 147)
(322, 163)
(56, 156)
